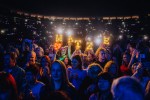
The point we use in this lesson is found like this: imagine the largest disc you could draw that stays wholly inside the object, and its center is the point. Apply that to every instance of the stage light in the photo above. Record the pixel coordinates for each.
(111, 35)
(89, 39)
(145, 37)
(98, 41)
(26, 20)
(69, 32)
(76, 23)
(120, 36)
(100, 36)
(131, 36)
(50, 36)
(123, 23)
(63, 23)
(14, 28)
(2, 31)
(34, 32)
(60, 30)
(51, 22)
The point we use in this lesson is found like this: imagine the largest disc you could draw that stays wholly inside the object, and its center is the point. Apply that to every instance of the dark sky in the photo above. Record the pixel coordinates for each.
(79, 7)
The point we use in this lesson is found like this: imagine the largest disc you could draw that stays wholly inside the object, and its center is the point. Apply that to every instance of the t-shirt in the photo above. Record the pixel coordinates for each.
(124, 70)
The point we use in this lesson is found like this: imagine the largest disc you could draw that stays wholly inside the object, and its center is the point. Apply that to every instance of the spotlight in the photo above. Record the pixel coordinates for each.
(51, 22)
(26, 20)
(98, 41)
(100, 35)
(60, 30)
(145, 37)
(69, 32)
(89, 38)
(120, 36)
(2, 31)
(34, 32)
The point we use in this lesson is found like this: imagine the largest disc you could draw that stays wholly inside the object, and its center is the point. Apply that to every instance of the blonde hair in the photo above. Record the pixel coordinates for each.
(94, 64)
(65, 80)
(108, 65)
(98, 51)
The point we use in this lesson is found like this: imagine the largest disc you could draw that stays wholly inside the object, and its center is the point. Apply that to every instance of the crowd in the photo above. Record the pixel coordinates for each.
(31, 71)
(41, 74)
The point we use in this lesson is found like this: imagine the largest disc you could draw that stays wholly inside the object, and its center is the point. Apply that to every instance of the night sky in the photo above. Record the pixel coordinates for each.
(79, 7)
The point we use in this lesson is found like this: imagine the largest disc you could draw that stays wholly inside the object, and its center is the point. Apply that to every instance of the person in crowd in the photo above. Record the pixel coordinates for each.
(26, 48)
(104, 85)
(26, 45)
(62, 53)
(134, 54)
(131, 47)
(111, 68)
(88, 58)
(39, 54)
(11, 67)
(100, 54)
(67, 62)
(76, 73)
(89, 84)
(15, 50)
(108, 55)
(59, 81)
(46, 50)
(31, 60)
(127, 88)
(52, 53)
(8, 87)
(76, 52)
(31, 89)
(45, 69)
(19, 59)
(144, 51)
(34, 46)
(142, 74)
(124, 70)
(134, 68)
(117, 53)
